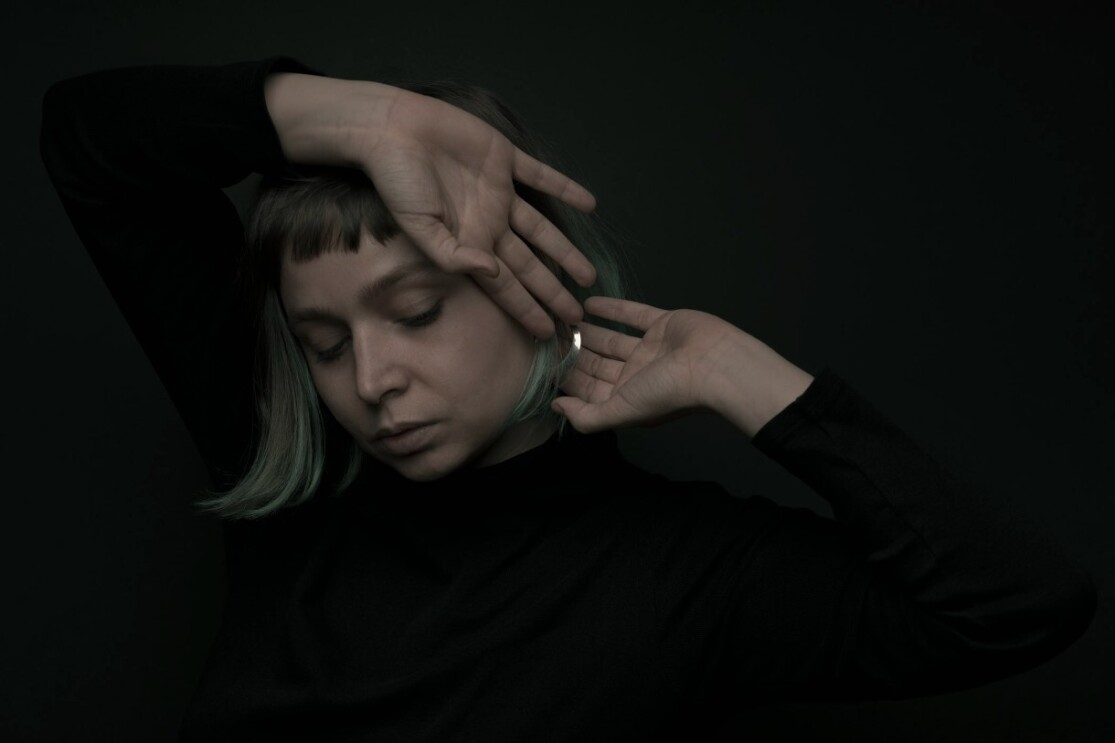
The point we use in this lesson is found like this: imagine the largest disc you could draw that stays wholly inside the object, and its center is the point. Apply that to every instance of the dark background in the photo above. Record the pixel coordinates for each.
(916, 194)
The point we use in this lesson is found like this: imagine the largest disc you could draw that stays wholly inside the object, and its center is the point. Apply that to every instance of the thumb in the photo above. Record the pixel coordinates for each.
(583, 416)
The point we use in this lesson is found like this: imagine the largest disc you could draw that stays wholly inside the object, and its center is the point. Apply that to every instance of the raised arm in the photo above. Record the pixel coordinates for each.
(138, 156)
(447, 178)
(920, 585)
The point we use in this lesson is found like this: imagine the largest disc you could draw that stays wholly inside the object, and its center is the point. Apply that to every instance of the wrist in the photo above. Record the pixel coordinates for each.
(754, 384)
(325, 120)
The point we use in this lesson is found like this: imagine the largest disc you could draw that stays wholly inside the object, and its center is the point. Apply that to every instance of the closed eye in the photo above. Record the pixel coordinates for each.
(331, 354)
(415, 321)
(424, 319)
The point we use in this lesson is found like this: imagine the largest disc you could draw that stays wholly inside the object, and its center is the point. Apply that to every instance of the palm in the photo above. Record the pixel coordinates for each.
(621, 380)
(447, 178)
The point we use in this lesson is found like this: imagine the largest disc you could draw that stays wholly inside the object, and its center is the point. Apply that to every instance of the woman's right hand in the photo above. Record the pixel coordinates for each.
(447, 178)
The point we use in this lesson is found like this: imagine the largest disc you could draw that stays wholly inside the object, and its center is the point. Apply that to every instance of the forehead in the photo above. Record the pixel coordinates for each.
(334, 269)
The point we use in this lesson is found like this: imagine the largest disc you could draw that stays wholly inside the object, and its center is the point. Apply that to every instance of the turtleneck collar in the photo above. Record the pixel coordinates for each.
(567, 462)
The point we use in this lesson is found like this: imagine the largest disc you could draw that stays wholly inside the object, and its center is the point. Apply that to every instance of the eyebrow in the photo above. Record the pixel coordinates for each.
(402, 274)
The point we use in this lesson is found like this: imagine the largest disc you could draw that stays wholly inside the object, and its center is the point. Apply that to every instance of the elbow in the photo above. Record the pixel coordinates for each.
(1048, 627)
(1073, 612)
(53, 124)
(56, 104)
(1018, 638)
(64, 138)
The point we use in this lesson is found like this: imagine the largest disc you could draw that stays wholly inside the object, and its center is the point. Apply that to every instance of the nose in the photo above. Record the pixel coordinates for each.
(381, 371)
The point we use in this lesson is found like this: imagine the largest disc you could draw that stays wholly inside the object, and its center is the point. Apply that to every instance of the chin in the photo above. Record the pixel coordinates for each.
(425, 466)
(421, 474)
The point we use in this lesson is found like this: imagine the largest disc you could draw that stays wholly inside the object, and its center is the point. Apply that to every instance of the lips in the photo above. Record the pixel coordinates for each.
(404, 439)
(388, 432)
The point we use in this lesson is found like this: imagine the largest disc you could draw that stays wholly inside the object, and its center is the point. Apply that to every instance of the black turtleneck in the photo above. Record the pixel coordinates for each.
(561, 595)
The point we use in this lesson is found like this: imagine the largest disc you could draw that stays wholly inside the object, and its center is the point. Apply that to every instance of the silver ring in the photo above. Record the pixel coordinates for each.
(570, 358)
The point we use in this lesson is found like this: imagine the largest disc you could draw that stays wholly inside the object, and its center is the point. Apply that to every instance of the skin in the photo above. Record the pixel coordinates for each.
(447, 178)
(431, 348)
(682, 361)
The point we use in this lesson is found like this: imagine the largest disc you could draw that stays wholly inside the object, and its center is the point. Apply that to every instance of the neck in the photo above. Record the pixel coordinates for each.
(518, 438)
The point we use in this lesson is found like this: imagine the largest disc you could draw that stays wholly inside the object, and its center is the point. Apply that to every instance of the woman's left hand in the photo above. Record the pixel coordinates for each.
(686, 361)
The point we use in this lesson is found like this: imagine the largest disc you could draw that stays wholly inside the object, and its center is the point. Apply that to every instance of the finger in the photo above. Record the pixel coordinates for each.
(632, 314)
(541, 177)
(529, 223)
(607, 342)
(576, 411)
(592, 417)
(539, 280)
(435, 240)
(597, 366)
(585, 386)
(506, 291)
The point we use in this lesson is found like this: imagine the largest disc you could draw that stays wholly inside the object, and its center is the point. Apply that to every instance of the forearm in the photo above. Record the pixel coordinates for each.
(920, 585)
(957, 583)
(108, 134)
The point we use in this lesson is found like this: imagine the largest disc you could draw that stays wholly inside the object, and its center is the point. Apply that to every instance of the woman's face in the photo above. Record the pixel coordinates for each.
(420, 366)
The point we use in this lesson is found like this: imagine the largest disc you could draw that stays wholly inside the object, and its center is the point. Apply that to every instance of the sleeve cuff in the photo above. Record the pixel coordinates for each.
(269, 157)
(819, 398)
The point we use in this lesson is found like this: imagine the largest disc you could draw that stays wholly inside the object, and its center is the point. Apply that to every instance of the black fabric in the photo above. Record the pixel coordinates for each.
(560, 595)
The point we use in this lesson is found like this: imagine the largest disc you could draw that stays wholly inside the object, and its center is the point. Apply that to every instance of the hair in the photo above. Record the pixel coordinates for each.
(310, 210)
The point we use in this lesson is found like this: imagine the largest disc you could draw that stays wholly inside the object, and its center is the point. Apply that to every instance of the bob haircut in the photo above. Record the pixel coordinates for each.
(309, 210)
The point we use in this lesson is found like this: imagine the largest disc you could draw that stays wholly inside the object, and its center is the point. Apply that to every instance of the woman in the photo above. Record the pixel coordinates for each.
(433, 561)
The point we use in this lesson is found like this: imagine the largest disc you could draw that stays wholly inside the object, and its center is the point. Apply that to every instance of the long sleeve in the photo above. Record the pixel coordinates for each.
(138, 157)
(567, 594)
(919, 586)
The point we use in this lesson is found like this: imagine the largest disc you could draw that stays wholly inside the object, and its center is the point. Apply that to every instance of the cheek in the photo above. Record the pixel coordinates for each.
(476, 358)
(336, 393)
(492, 353)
